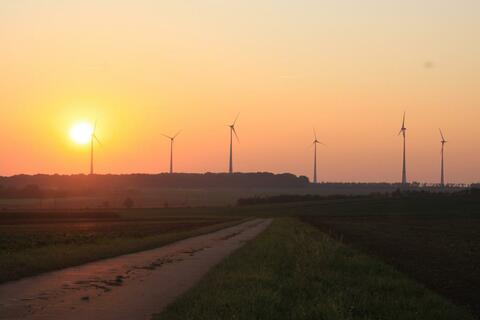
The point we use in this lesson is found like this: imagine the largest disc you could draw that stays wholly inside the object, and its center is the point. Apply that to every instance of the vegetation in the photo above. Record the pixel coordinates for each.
(440, 251)
(128, 203)
(405, 203)
(432, 237)
(36, 242)
(293, 271)
(465, 194)
(85, 184)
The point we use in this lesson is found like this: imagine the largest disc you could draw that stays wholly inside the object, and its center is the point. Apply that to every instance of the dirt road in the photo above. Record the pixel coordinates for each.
(129, 287)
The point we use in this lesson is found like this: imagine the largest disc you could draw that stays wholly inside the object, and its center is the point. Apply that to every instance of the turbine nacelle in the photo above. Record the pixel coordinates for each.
(170, 137)
(316, 141)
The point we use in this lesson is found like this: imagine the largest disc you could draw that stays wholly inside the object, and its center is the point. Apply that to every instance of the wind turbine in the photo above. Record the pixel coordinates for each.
(403, 131)
(93, 138)
(315, 142)
(442, 174)
(232, 132)
(172, 140)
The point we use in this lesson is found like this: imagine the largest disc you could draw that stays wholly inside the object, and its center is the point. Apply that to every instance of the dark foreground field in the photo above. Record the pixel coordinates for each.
(441, 251)
(293, 271)
(378, 257)
(35, 242)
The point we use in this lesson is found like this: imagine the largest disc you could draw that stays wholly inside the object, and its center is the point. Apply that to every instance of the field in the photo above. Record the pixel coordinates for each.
(293, 271)
(40, 241)
(443, 252)
(341, 258)
(172, 197)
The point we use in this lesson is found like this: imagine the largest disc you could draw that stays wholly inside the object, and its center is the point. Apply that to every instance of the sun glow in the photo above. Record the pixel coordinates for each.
(81, 133)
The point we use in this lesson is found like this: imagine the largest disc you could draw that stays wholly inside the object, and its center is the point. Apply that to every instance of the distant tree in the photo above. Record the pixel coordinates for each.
(31, 191)
(128, 203)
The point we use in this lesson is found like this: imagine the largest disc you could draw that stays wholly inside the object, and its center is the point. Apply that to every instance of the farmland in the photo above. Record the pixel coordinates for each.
(422, 251)
(40, 241)
(432, 239)
(441, 252)
(293, 271)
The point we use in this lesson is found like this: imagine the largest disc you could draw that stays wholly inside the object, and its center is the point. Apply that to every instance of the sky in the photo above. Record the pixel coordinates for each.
(142, 68)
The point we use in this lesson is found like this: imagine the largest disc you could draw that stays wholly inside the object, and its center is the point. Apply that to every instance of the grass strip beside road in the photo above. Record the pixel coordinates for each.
(293, 271)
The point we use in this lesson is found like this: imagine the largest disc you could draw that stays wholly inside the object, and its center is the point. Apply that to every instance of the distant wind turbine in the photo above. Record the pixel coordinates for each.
(403, 131)
(315, 142)
(232, 132)
(442, 173)
(172, 140)
(93, 138)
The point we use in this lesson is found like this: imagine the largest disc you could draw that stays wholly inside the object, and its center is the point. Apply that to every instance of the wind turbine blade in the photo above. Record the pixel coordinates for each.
(315, 133)
(403, 123)
(98, 141)
(441, 134)
(168, 137)
(236, 118)
(235, 132)
(176, 135)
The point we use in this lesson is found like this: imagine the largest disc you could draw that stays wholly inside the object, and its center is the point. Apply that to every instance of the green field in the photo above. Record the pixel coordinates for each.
(293, 271)
(359, 258)
(433, 240)
(443, 252)
(41, 241)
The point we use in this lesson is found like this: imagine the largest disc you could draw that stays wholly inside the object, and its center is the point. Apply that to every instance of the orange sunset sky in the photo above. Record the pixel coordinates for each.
(143, 67)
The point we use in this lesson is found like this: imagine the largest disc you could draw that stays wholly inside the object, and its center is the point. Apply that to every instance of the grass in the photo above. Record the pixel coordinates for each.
(290, 268)
(293, 271)
(443, 252)
(372, 205)
(34, 243)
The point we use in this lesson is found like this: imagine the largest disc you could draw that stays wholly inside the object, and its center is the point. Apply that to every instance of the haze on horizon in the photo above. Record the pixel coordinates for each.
(142, 68)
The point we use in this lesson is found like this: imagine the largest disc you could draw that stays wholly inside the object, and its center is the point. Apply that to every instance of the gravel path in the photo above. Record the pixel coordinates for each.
(128, 287)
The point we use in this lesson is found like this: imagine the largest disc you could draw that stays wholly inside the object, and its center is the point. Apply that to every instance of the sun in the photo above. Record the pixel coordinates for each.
(81, 132)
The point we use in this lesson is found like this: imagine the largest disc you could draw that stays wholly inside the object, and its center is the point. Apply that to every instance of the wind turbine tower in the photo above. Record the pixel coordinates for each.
(442, 173)
(315, 142)
(232, 132)
(93, 138)
(402, 132)
(172, 140)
